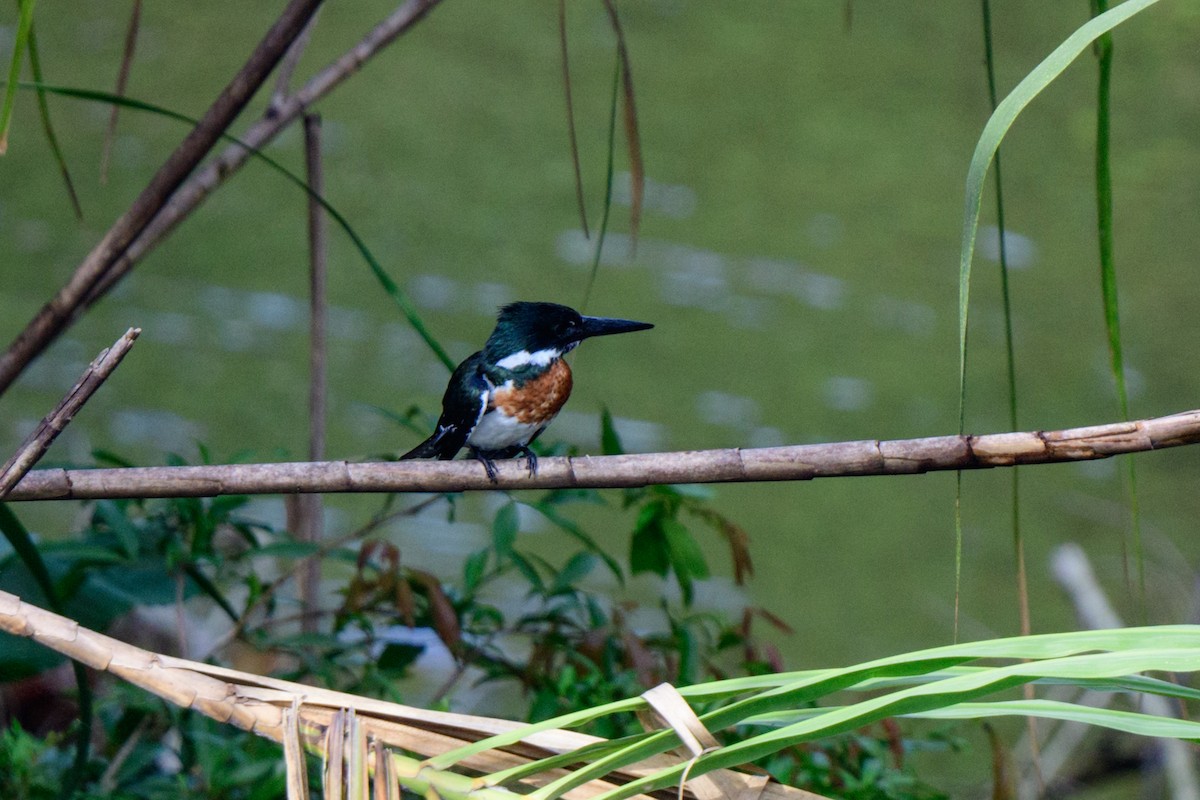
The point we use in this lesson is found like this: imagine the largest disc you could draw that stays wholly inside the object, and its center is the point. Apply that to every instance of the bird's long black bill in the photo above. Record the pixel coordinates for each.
(606, 326)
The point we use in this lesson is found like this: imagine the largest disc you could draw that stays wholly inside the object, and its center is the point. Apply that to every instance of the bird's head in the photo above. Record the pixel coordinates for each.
(537, 333)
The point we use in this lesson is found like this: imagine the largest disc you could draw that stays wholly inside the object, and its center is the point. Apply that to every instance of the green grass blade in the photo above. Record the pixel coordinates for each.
(1099, 660)
(792, 687)
(574, 140)
(1104, 207)
(212, 590)
(918, 699)
(1070, 656)
(25, 549)
(24, 30)
(1126, 721)
(994, 131)
(633, 141)
(1108, 272)
(385, 280)
(1010, 350)
(35, 66)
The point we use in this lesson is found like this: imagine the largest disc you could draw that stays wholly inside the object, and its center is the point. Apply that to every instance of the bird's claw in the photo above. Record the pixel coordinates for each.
(531, 457)
(488, 465)
(486, 457)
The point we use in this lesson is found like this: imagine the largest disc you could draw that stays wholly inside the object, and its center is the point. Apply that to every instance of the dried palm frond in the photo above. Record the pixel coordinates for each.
(359, 737)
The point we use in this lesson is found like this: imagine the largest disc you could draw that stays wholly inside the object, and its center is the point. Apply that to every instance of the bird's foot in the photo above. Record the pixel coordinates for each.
(532, 458)
(484, 457)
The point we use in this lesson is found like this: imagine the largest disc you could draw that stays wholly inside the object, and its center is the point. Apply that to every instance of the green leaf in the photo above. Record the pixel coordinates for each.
(1127, 721)
(787, 691)
(24, 30)
(579, 534)
(989, 142)
(473, 570)
(35, 67)
(212, 590)
(23, 545)
(221, 507)
(689, 655)
(578, 567)
(115, 518)
(528, 571)
(648, 550)
(397, 658)
(110, 458)
(685, 552)
(504, 529)
(610, 442)
(686, 558)
(23, 658)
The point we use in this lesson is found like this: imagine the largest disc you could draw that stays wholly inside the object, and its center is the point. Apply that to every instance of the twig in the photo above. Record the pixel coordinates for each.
(287, 67)
(35, 446)
(131, 35)
(311, 516)
(793, 463)
(108, 779)
(60, 311)
(637, 171)
(574, 140)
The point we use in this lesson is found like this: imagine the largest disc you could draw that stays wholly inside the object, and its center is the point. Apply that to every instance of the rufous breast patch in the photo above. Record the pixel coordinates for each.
(538, 399)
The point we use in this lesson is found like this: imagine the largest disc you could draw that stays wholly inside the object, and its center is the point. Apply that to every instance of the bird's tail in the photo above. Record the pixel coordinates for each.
(426, 449)
(444, 445)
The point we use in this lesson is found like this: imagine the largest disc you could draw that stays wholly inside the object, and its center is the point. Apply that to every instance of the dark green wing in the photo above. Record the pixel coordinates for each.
(462, 407)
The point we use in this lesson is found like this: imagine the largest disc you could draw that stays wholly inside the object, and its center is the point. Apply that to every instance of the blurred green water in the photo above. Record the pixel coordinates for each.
(799, 258)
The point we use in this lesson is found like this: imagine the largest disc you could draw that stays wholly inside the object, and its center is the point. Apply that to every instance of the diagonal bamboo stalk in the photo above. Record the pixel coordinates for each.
(278, 117)
(61, 309)
(44, 435)
(791, 463)
(263, 705)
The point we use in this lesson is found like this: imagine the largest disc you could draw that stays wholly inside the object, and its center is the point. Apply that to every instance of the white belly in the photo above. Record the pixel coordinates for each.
(496, 432)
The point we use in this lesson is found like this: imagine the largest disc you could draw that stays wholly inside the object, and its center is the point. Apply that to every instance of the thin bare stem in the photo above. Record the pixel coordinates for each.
(131, 34)
(574, 140)
(312, 528)
(44, 435)
(792, 463)
(287, 67)
(633, 140)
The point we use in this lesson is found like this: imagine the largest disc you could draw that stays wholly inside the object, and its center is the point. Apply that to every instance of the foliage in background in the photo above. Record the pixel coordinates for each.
(567, 648)
(584, 652)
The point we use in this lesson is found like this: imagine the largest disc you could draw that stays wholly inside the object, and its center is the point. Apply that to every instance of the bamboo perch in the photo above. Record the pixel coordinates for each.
(792, 463)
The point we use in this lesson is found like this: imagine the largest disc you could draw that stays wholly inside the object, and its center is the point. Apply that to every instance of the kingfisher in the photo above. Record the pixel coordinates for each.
(500, 399)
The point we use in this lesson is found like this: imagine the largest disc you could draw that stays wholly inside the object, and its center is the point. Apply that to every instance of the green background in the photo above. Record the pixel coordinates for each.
(799, 256)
